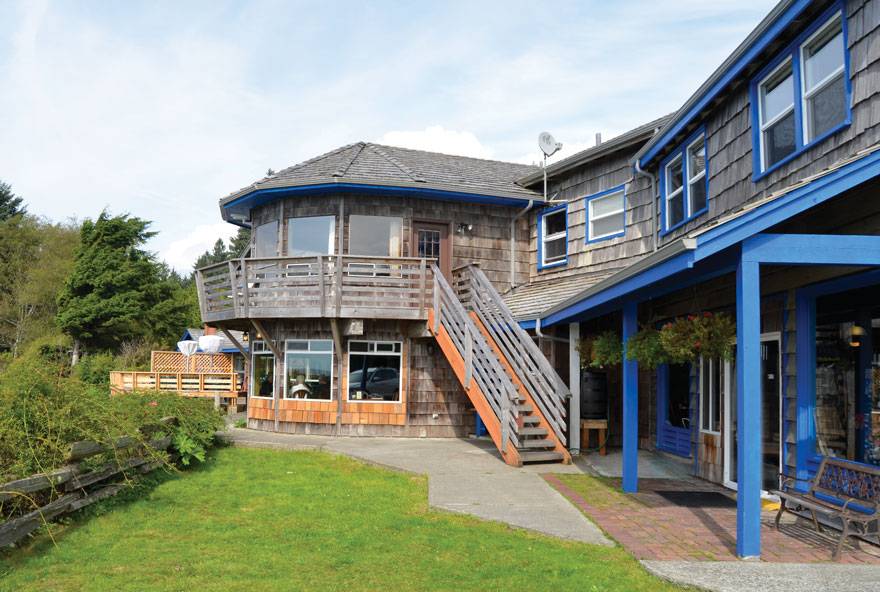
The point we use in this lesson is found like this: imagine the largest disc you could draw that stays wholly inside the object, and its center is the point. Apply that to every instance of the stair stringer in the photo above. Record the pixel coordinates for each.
(510, 454)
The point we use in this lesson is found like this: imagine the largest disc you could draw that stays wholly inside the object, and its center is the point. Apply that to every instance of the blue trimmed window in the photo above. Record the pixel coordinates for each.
(606, 214)
(684, 183)
(553, 237)
(803, 95)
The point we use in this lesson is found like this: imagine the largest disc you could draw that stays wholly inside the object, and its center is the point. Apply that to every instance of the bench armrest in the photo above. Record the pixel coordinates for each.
(787, 482)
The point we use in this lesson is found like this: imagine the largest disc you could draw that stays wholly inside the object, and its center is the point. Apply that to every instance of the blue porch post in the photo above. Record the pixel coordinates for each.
(748, 408)
(630, 404)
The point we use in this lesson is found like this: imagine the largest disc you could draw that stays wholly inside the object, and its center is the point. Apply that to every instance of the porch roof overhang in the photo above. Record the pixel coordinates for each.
(233, 209)
(714, 250)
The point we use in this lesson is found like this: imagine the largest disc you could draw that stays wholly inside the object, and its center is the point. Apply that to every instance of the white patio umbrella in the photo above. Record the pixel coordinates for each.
(210, 344)
(187, 348)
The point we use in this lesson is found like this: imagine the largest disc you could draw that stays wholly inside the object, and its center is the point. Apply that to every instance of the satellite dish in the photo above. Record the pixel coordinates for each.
(210, 344)
(548, 144)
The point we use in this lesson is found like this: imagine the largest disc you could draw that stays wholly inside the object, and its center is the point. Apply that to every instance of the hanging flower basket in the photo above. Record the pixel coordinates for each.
(605, 349)
(646, 348)
(687, 338)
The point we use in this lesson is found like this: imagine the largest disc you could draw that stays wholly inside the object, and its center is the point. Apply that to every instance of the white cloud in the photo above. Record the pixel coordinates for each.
(181, 253)
(436, 138)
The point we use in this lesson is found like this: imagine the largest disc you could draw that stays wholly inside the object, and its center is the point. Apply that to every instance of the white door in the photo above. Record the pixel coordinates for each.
(772, 414)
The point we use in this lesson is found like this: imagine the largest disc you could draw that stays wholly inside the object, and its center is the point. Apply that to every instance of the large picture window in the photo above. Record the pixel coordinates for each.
(374, 371)
(553, 237)
(374, 235)
(803, 95)
(308, 367)
(310, 236)
(266, 240)
(606, 214)
(684, 182)
(263, 371)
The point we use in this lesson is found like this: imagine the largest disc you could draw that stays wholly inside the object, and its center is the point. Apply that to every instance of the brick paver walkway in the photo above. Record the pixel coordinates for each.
(653, 528)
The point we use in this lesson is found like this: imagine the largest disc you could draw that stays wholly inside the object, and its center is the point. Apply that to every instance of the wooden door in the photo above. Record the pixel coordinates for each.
(431, 241)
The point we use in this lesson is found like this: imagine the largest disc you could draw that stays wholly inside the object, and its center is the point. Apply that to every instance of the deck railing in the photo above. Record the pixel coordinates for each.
(322, 286)
(196, 384)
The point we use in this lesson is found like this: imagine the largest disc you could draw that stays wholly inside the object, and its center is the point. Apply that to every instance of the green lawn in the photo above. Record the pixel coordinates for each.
(259, 520)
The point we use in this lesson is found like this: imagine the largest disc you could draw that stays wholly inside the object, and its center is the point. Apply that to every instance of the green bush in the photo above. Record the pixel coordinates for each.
(44, 407)
(95, 368)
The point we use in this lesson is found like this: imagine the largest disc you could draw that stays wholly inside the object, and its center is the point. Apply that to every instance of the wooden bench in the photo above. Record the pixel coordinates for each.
(842, 489)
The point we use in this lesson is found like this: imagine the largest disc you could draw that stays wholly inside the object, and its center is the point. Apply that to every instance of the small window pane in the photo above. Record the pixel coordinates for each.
(321, 345)
(297, 345)
(823, 56)
(827, 108)
(266, 240)
(310, 236)
(674, 176)
(606, 226)
(374, 235)
(777, 95)
(697, 195)
(779, 140)
(264, 376)
(675, 209)
(696, 158)
(603, 206)
(359, 346)
(554, 223)
(554, 250)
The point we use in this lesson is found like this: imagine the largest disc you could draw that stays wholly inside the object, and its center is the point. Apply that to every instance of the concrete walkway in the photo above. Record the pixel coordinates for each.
(464, 476)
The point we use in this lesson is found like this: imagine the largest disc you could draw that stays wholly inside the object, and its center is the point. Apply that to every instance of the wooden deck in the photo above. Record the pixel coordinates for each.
(343, 286)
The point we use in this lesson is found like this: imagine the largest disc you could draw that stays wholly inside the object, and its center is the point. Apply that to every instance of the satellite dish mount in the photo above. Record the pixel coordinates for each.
(549, 146)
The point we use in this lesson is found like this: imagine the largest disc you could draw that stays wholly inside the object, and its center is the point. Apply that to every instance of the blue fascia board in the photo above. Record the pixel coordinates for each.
(734, 70)
(652, 275)
(528, 324)
(262, 196)
(812, 249)
(793, 203)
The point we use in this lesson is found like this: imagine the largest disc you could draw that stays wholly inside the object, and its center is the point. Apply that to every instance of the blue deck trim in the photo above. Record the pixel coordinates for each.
(812, 249)
(735, 69)
(630, 403)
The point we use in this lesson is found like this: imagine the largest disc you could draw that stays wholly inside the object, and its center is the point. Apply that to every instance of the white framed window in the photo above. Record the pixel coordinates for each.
(553, 236)
(606, 213)
(674, 195)
(311, 235)
(266, 239)
(823, 82)
(803, 95)
(262, 371)
(308, 369)
(776, 114)
(696, 176)
(374, 371)
(711, 394)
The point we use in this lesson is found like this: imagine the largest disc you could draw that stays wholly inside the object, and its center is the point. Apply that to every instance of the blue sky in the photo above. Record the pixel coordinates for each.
(159, 109)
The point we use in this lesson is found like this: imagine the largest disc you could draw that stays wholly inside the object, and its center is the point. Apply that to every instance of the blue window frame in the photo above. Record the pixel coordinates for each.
(606, 214)
(553, 237)
(684, 182)
(803, 95)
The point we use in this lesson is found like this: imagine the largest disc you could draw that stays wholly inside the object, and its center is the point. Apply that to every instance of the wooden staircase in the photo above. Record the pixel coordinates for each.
(513, 387)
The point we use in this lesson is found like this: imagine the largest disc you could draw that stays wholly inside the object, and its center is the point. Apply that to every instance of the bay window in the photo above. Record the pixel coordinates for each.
(311, 235)
(266, 239)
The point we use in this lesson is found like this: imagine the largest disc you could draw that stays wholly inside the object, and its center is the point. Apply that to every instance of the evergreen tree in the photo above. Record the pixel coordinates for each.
(10, 204)
(116, 291)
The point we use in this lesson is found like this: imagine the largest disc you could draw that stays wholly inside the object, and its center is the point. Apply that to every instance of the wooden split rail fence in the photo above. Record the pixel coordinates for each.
(74, 486)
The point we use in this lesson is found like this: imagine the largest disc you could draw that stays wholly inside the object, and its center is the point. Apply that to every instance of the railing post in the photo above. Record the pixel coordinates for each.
(423, 283)
(505, 411)
(468, 356)
(436, 301)
(321, 282)
(338, 285)
(244, 287)
(233, 287)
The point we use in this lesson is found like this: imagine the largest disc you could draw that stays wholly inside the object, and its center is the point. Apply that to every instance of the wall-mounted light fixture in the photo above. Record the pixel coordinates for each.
(856, 335)
(463, 228)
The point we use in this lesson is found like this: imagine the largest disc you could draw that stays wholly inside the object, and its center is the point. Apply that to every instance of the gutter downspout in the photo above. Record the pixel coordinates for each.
(519, 215)
(654, 226)
(540, 334)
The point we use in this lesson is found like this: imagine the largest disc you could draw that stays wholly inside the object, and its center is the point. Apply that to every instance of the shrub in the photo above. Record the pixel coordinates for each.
(95, 368)
(646, 347)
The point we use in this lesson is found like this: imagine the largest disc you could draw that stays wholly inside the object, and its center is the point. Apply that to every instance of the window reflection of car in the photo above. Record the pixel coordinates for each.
(379, 383)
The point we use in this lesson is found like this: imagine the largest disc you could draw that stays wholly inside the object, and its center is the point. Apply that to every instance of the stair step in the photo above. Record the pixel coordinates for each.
(524, 408)
(533, 431)
(538, 443)
(531, 419)
(544, 456)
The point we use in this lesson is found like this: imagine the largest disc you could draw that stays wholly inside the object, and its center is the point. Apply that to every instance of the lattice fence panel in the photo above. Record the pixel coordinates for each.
(168, 361)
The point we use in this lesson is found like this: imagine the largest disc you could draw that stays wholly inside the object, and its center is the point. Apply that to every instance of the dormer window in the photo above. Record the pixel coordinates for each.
(803, 96)
(684, 182)
(553, 237)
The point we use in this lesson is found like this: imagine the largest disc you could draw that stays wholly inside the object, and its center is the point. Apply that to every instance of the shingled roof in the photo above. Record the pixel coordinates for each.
(365, 163)
(528, 301)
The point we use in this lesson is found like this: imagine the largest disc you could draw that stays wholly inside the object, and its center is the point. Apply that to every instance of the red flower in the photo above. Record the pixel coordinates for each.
(707, 315)
(697, 344)
(691, 317)
(153, 403)
(667, 326)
